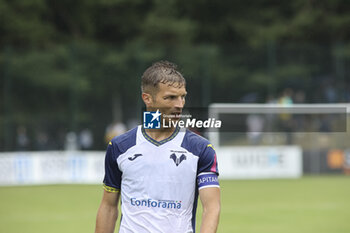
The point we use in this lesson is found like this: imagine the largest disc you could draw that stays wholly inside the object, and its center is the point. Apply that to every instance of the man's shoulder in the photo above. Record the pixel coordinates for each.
(194, 142)
(124, 141)
(193, 137)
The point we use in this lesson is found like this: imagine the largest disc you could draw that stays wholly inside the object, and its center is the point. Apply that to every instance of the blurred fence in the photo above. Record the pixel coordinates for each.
(260, 162)
(248, 162)
(322, 131)
(55, 167)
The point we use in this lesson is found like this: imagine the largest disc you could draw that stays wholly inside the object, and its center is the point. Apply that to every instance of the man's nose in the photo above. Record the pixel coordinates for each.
(179, 103)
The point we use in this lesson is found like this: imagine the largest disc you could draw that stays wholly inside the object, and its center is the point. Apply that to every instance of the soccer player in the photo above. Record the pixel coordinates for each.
(159, 173)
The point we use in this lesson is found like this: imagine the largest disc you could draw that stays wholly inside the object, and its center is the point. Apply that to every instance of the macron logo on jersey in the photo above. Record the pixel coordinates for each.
(151, 120)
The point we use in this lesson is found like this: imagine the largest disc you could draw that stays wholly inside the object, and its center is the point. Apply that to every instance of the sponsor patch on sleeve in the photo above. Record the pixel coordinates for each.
(207, 179)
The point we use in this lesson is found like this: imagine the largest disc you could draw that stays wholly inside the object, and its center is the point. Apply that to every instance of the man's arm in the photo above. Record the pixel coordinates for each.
(210, 198)
(107, 213)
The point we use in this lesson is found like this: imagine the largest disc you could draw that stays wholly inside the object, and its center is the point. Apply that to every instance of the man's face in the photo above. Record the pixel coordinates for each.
(169, 100)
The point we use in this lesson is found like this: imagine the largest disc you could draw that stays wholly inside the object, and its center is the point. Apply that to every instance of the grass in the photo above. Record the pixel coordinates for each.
(308, 205)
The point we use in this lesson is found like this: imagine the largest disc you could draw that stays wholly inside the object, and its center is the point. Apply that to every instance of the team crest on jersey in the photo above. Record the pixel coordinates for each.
(178, 160)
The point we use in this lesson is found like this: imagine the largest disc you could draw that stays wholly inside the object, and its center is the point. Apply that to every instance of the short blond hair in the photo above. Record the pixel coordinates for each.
(161, 72)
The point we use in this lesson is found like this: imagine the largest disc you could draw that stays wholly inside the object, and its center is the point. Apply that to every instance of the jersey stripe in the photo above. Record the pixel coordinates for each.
(213, 167)
(110, 189)
(209, 186)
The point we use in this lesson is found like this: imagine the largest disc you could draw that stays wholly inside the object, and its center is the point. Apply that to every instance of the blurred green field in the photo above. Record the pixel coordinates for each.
(308, 205)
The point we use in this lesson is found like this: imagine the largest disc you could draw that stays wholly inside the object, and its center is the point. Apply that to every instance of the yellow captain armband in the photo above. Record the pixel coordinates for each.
(110, 189)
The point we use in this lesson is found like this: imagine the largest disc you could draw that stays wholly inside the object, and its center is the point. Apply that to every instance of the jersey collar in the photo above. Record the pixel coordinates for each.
(159, 143)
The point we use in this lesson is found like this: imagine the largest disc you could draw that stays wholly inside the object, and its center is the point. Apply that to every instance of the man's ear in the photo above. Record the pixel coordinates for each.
(147, 99)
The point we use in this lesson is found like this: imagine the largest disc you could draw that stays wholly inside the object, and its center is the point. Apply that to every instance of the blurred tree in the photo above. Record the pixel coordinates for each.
(78, 63)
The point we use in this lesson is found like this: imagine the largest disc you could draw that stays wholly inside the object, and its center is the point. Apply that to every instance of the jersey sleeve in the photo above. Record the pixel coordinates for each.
(208, 169)
(112, 179)
(207, 161)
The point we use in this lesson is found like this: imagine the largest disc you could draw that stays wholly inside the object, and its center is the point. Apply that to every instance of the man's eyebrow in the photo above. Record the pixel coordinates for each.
(175, 94)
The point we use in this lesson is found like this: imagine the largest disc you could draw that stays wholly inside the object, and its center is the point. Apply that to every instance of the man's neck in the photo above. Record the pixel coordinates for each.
(160, 134)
